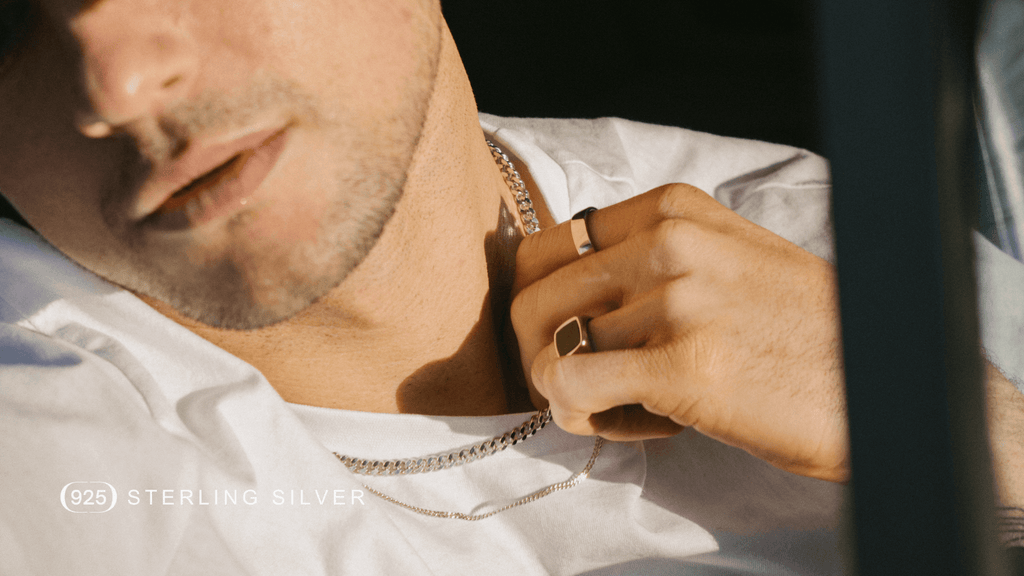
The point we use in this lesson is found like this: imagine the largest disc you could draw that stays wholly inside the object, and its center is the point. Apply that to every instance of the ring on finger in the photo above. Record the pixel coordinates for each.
(572, 337)
(580, 234)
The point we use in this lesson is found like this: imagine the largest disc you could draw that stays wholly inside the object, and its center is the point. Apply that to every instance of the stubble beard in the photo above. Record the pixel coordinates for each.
(246, 290)
(253, 285)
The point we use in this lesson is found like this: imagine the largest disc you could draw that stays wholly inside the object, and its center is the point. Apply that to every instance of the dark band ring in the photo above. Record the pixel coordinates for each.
(572, 337)
(580, 234)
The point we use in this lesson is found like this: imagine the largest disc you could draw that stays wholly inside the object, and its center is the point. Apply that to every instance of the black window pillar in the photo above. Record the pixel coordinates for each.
(895, 79)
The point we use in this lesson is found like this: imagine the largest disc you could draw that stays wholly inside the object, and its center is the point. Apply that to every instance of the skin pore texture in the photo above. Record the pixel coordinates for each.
(411, 327)
(397, 326)
(403, 311)
(371, 266)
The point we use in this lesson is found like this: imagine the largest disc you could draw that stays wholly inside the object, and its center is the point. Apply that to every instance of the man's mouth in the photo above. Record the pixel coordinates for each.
(195, 188)
(239, 168)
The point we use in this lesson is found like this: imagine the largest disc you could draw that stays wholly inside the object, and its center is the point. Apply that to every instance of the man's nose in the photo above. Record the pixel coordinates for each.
(133, 68)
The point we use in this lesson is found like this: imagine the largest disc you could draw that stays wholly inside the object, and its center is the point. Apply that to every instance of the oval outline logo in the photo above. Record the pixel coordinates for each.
(64, 502)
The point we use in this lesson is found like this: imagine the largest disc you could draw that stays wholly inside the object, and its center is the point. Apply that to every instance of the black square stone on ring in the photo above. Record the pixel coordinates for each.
(572, 336)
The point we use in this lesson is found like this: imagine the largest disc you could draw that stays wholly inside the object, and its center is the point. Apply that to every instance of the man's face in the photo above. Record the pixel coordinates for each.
(258, 146)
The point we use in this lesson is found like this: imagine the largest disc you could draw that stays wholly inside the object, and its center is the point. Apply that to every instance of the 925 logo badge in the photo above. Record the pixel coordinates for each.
(88, 497)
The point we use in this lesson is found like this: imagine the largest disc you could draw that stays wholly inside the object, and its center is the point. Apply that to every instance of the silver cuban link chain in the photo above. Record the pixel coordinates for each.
(474, 452)
(515, 183)
(454, 458)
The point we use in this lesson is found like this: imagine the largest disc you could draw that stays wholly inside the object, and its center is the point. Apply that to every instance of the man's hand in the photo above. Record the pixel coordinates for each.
(699, 318)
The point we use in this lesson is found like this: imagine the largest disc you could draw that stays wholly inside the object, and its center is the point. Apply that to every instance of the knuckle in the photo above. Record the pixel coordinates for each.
(557, 398)
(677, 200)
(671, 242)
(541, 380)
(673, 231)
(563, 385)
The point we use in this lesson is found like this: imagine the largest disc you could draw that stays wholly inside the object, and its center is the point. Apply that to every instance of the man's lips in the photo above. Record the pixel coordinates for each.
(211, 181)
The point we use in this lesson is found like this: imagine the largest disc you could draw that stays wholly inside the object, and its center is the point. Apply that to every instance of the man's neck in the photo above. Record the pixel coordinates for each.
(412, 328)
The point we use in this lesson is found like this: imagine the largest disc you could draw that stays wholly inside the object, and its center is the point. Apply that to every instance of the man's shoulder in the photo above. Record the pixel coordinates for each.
(652, 150)
(641, 156)
(599, 162)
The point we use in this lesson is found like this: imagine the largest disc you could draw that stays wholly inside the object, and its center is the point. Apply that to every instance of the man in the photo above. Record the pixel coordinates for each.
(296, 201)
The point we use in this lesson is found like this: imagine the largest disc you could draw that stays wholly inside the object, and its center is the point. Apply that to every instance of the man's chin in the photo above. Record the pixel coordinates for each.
(247, 308)
(242, 314)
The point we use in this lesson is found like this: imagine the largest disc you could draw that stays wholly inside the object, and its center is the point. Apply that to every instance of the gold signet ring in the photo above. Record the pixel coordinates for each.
(572, 336)
(580, 234)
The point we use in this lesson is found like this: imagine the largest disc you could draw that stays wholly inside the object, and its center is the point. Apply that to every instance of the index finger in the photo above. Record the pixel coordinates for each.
(544, 252)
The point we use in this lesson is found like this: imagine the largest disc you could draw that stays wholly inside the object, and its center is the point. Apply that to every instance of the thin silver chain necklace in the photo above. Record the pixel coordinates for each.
(474, 452)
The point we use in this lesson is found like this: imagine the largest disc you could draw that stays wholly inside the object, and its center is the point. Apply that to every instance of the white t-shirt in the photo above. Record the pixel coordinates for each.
(215, 474)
